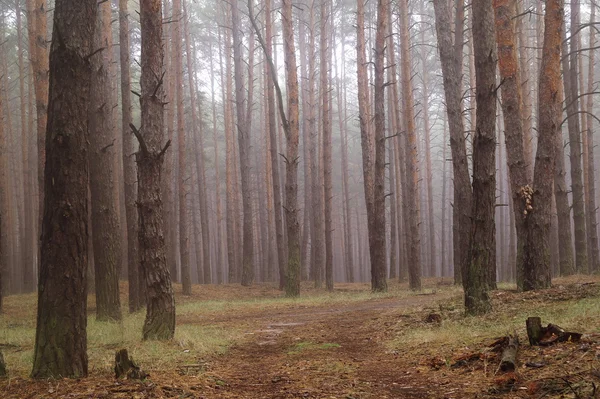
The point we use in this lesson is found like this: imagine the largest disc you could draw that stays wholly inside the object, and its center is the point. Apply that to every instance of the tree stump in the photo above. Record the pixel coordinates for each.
(509, 354)
(126, 367)
(534, 330)
(3, 372)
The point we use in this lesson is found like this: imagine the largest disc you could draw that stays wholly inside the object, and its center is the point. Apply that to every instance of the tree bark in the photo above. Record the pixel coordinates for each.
(536, 259)
(326, 160)
(412, 170)
(513, 121)
(480, 271)
(451, 59)
(160, 310)
(592, 221)
(244, 147)
(105, 219)
(570, 68)
(61, 339)
(136, 294)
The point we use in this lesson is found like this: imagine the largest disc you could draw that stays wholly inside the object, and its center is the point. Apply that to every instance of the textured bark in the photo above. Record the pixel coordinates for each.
(105, 219)
(412, 171)
(563, 209)
(61, 339)
(592, 221)
(451, 59)
(478, 277)
(571, 86)
(160, 309)
(184, 239)
(281, 263)
(536, 260)
(326, 161)
(513, 120)
(219, 206)
(445, 261)
(136, 294)
(291, 128)
(244, 147)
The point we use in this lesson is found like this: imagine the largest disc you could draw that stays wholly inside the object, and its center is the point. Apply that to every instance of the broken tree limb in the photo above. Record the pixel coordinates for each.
(509, 354)
(534, 330)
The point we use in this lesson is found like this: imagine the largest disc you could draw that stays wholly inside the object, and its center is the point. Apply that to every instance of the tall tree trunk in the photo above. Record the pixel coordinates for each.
(412, 172)
(377, 241)
(105, 219)
(136, 294)
(197, 130)
(451, 55)
(160, 310)
(38, 54)
(326, 160)
(280, 239)
(244, 147)
(481, 266)
(536, 259)
(219, 208)
(513, 120)
(184, 242)
(61, 338)
(291, 129)
(571, 86)
(592, 221)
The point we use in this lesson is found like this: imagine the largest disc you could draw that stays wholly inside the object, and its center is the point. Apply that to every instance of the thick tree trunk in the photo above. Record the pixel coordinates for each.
(536, 259)
(160, 310)
(480, 271)
(291, 129)
(136, 293)
(451, 59)
(412, 172)
(105, 219)
(61, 339)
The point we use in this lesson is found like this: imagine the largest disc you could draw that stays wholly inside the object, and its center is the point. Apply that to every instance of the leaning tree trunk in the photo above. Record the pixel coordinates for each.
(136, 291)
(536, 259)
(480, 271)
(106, 230)
(160, 310)
(61, 338)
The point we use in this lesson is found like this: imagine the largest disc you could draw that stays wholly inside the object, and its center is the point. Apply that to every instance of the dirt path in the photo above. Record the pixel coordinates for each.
(322, 353)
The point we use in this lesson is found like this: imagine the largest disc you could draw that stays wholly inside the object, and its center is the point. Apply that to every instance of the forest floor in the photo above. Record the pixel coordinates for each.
(235, 342)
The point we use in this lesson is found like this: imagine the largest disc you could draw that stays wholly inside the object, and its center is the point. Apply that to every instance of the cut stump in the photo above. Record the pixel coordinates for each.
(125, 367)
(534, 330)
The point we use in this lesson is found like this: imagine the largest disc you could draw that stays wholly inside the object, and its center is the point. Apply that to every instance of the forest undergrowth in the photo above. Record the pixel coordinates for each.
(237, 342)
